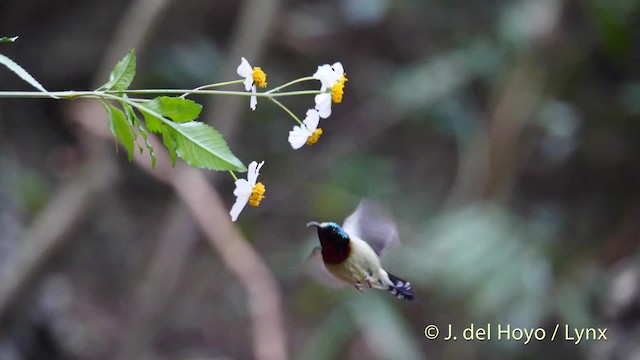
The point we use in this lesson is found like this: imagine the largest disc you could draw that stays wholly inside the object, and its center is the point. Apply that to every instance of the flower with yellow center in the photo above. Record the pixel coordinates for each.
(331, 78)
(252, 77)
(248, 191)
(308, 133)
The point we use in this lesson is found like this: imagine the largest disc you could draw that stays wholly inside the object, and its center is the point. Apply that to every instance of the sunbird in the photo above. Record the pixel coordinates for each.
(351, 252)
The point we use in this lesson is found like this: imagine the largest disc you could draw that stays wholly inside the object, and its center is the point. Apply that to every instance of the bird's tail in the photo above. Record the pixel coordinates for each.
(400, 288)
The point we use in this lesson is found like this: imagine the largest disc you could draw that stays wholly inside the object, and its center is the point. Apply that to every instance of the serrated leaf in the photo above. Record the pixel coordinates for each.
(202, 146)
(120, 128)
(134, 121)
(130, 114)
(175, 108)
(123, 73)
(152, 154)
(153, 124)
(13, 66)
(196, 143)
(170, 143)
(8, 39)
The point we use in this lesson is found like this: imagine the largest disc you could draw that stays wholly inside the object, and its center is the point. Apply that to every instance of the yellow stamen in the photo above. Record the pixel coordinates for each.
(338, 90)
(314, 137)
(259, 77)
(257, 194)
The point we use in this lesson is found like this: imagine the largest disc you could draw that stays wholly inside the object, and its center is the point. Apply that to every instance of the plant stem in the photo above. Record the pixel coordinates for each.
(209, 86)
(290, 83)
(97, 94)
(287, 110)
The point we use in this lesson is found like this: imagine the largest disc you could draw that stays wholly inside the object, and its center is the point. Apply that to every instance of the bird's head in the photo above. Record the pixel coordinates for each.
(333, 239)
(329, 230)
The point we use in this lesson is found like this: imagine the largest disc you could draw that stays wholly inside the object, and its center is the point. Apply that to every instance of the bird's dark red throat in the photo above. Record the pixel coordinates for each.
(334, 241)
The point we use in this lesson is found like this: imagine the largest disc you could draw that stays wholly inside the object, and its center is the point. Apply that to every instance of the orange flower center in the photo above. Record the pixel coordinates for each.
(338, 90)
(314, 137)
(259, 77)
(257, 194)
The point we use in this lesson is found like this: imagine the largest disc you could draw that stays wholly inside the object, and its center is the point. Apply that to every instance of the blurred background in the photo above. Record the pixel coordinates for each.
(502, 136)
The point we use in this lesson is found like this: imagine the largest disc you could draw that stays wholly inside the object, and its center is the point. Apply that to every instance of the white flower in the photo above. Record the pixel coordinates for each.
(252, 76)
(305, 133)
(331, 77)
(248, 191)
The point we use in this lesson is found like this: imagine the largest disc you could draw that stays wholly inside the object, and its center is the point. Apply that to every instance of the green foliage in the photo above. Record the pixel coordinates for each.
(8, 39)
(201, 145)
(122, 75)
(120, 127)
(175, 108)
(135, 122)
(196, 143)
(24, 75)
(170, 143)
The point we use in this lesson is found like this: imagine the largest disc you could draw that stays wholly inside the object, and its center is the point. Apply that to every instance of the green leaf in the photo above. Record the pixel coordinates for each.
(120, 128)
(170, 143)
(202, 146)
(196, 143)
(134, 121)
(175, 108)
(152, 154)
(152, 122)
(8, 39)
(122, 75)
(13, 66)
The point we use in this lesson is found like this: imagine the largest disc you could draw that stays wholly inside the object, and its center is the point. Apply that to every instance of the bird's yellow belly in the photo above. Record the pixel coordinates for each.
(348, 271)
(358, 268)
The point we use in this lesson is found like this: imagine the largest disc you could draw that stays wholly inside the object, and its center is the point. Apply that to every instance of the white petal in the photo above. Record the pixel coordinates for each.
(326, 77)
(246, 71)
(248, 83)
(243, 188)
(298, 137)
(254, 171)
(253, 101)
(322, 72)
(236, 209)
(312, 120)
(242, 193)
(323, 105)
(338, 69)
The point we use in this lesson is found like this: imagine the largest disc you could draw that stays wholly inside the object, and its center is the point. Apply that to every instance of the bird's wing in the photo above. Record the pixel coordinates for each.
(372, 224)
(315, 267)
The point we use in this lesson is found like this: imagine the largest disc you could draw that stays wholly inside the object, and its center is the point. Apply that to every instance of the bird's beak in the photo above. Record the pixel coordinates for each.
(313, 223)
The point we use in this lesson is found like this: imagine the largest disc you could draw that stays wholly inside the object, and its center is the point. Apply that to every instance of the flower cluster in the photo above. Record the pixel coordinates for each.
(332, 81)
(173, 117)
